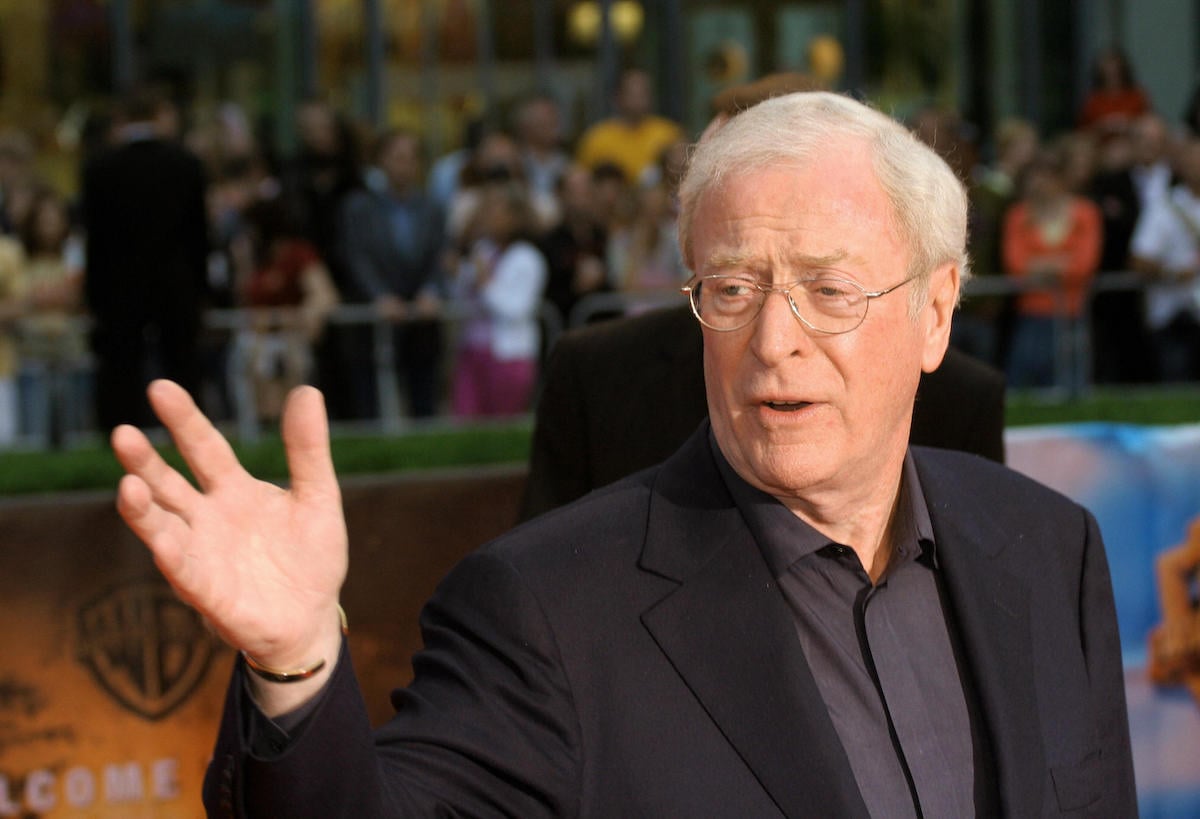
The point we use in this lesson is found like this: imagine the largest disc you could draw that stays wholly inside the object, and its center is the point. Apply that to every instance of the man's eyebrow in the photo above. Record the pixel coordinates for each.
(734, 259)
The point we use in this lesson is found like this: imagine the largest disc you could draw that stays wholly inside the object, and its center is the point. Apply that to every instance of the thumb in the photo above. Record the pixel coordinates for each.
(306, 442)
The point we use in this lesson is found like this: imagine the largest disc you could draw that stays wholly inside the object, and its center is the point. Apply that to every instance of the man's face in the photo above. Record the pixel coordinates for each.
(634, 97)
(798, 413)
(401, 162)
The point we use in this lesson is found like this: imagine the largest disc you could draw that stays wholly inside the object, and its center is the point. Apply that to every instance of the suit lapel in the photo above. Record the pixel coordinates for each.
(727, 631)
(992, 614)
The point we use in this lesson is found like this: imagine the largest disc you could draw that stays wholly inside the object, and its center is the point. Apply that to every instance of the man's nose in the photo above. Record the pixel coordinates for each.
(778, 333)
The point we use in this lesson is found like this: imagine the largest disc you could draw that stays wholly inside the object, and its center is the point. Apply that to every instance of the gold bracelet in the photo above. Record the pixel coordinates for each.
(296, 675)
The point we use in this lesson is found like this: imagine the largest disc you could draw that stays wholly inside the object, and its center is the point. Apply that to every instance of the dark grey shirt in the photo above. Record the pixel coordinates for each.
(884, 656)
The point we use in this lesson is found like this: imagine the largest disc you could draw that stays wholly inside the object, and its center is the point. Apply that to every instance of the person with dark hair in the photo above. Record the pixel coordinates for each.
(315, 181)
(498, 286)
(575, 247)
(634, 137)
(537, 125)
(289, 293)
(1166, 251)
(1051, 245)
(1115, 99)
(390, 242)
(55, 386)
(1120, 347)
(145, 218)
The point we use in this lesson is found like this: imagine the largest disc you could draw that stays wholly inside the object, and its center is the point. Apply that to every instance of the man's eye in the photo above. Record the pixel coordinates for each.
(733, 290)
(828, 290)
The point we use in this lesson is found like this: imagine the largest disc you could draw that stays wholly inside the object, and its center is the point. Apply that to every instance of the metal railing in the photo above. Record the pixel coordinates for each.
(1071, 370)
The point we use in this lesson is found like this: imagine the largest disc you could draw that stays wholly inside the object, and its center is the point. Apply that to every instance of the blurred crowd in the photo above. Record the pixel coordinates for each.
(358, 255)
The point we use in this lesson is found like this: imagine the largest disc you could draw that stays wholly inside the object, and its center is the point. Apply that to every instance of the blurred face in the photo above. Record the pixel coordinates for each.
(540, 124)
(1149, 140)
(317, 128)
(400, 161)
(496, 218)
(1188, 164)
(577, 190)
(634, 97)
(798, 414)
(51, 226)
(498, 151)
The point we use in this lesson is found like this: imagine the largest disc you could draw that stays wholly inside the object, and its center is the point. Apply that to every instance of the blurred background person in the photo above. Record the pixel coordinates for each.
(983, 324)
(538, 130)
(290, 294)
(634, 137)
(498, 287)
(324, 169)
(1080, 154)
(1152, 172)
(1120, 348)
(391, 244)
(1166, 250)
(575, 248)
(55, 380)
(497, 159)
(1051, 246)
(145, 218)
(644, 255)
(13, 306)
(17, 178)
(1114, 98)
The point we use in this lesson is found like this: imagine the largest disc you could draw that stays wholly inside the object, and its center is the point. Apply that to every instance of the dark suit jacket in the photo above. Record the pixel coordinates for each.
(147, 236)
(623, 395)
(375, 262)
(631, 656)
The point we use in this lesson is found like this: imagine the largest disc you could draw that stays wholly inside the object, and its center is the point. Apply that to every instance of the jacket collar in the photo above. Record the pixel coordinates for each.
(727, 631)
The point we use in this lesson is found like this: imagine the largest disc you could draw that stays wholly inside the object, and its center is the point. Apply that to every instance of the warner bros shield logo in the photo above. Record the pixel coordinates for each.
(144, 647)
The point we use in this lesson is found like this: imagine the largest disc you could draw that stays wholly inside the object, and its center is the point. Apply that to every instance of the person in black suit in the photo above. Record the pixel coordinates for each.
(796, 615)
(390, 244)
(147, 250)
(623, 395)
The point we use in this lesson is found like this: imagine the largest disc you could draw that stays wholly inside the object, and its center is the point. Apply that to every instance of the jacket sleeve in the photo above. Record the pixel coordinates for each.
(354, 248)
(559, 461)
(487, 727)
(1102, 650)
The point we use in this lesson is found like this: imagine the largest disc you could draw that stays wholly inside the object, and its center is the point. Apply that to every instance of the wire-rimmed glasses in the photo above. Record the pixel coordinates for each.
(825, 304)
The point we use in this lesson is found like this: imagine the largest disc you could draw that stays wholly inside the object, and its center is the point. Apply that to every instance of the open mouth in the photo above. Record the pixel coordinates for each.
(786, 406)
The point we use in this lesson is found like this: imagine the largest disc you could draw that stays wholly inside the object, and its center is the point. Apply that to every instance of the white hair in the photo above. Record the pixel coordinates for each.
(928, 200)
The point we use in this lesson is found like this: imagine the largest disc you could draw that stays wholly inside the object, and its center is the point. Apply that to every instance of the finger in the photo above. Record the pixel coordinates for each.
(306, 442)
(163, 532)
(206, 451)
(168, 487)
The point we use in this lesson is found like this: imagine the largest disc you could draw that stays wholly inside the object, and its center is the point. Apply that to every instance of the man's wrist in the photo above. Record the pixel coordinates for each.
(292, 675)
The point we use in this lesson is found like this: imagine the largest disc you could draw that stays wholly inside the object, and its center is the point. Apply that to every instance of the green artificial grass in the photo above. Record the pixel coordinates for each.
(92, 467)
(1143, 406)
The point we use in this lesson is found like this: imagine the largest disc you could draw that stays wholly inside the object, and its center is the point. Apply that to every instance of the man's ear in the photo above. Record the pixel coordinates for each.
(940, 301)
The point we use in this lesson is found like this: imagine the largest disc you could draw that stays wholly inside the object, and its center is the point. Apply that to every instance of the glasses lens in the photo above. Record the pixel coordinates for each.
(726, 302)
(830, 305)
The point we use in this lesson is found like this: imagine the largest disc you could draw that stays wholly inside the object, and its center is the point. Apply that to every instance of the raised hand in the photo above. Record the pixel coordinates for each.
(263, 564)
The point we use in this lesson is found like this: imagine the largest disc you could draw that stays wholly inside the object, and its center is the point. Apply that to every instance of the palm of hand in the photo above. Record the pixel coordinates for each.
(263, 564)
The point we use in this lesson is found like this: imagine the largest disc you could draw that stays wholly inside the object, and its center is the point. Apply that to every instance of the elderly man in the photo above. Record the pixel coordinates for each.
(795, 615)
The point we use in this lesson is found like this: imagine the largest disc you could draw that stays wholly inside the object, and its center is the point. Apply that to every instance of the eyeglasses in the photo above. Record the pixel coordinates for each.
(825, 305)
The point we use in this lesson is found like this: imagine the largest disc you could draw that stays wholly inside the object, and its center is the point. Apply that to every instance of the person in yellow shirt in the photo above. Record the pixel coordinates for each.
(635, 137)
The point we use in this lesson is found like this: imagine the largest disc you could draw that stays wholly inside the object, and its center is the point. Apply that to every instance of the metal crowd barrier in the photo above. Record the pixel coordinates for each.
(1073, 371)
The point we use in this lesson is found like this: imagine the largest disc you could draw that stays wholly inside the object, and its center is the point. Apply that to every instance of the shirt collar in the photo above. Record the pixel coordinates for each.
(784, 538)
